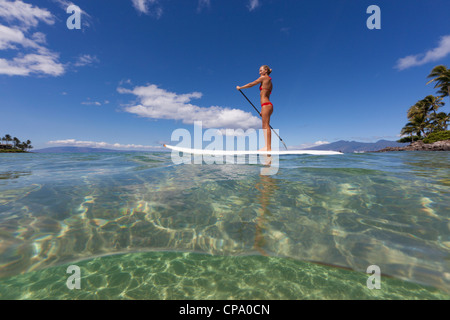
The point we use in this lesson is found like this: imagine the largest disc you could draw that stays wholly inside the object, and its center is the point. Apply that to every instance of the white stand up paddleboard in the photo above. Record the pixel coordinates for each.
(246, 152)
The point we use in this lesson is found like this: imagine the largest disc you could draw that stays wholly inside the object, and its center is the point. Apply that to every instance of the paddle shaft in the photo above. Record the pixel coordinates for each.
(260, 116)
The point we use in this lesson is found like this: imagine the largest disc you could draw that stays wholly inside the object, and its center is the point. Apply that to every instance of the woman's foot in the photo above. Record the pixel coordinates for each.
(266, 160)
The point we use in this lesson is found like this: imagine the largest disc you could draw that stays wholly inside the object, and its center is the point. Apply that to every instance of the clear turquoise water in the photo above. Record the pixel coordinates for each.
(140, 227)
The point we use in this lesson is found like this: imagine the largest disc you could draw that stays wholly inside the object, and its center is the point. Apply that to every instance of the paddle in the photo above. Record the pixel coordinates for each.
(260, 115)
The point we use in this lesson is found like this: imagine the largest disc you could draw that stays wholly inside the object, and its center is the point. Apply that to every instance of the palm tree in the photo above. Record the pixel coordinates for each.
(426, 110)
(24, 146)
(28, 143)
(418, 118)
(7, 138)
(16, 142)
(408, 129)
(440, 121)
(418, 124)
(418, 109)
(433, 103)
(441, 75)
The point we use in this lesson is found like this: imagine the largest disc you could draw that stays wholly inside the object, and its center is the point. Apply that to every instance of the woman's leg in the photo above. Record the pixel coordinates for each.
(266, 112)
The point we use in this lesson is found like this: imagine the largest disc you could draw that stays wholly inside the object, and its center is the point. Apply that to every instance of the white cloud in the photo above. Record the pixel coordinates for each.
(9, 37)
(25, 14)
(154, 8)
(33, 56)
(94, 144)
(440, 52)
(308, 145)
(85, 60)
(253, 4)
(32, 64)
(89, 102)
(125, 81)
(149, 7)
(39, 37)
(92, 103)
(140, 5)
(156, 103)
(203, 4)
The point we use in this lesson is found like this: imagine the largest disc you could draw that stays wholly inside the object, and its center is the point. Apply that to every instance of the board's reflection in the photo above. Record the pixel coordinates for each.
(267, 187)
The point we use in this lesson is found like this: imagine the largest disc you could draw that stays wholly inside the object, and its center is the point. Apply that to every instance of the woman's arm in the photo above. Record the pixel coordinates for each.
(251, 84)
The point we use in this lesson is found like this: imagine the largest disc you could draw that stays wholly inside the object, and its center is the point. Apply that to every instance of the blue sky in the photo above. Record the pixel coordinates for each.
(139, 69)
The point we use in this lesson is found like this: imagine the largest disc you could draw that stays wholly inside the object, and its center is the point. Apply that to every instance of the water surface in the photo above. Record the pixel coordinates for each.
(335, 213)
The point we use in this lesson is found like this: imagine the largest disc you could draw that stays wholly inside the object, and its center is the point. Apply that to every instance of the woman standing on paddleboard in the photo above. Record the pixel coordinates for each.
(265, 88)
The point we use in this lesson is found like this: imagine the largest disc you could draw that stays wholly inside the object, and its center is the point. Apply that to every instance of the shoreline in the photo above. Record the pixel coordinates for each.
(421, 146)
(12, 151)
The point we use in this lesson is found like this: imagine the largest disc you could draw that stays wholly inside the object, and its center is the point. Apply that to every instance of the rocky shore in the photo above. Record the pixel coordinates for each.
(421, 146)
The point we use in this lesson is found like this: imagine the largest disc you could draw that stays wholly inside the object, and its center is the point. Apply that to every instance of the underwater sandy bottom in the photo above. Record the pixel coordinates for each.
(188, 276)
(344, 213)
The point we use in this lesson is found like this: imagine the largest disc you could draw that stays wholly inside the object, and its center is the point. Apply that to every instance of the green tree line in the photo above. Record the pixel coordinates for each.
(8, 142)
(424, 118)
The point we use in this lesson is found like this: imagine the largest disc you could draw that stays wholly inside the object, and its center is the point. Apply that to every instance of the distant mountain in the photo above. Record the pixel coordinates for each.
(354, 146)
(76, 150)
(342, 146)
